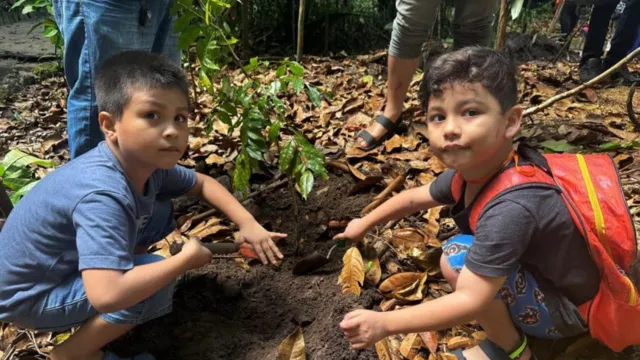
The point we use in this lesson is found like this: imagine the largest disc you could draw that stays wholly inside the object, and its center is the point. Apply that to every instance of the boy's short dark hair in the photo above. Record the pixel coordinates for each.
(135, 69)
(491, 68)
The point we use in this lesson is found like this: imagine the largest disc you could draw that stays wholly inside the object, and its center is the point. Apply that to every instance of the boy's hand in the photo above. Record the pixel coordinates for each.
(195, 254)
(262, 242)
(363, 328)
(355, 231)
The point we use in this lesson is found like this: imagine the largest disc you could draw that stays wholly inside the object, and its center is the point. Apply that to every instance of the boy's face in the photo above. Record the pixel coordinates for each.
(467, 127)
(153, 131)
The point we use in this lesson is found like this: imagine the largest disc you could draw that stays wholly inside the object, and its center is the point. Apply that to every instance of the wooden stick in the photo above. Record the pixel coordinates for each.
(300, 31)
(632, 113)
(502, 24)
(556, 17)
(566, 94)
(381, 198)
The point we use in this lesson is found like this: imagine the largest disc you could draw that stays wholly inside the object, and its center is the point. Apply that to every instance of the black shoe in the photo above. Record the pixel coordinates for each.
(623, 76)
(590, 69)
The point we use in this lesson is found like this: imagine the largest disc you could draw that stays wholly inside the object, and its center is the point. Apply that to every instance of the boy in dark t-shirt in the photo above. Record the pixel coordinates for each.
(526, 268)
(73, 249)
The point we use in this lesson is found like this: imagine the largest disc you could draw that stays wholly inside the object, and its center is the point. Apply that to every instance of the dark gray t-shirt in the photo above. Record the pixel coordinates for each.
(530, 226)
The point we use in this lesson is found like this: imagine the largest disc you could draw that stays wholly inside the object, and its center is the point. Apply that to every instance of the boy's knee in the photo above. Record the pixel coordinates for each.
(158, 304)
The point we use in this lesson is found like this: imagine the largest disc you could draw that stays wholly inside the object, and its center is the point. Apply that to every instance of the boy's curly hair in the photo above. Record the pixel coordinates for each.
(135, 69)
(492, 69)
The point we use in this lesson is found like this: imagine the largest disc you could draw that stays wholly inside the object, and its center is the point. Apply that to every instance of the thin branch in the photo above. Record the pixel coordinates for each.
(566, 94)
(632, 113)
(502, 24)
(556, 16)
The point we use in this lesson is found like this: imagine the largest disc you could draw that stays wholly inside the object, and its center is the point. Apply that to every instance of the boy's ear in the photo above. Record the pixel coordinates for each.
(108, 125)
(514, 121)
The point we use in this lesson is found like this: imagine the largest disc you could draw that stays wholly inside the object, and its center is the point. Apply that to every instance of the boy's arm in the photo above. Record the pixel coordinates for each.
(215, 194)
(473, 292)
(113, 290)
(399, 206)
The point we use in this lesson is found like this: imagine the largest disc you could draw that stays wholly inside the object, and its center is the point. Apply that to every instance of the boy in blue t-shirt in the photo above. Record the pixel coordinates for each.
(73, 248)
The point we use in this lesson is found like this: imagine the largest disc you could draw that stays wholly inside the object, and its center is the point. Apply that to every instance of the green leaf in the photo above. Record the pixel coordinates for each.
(209, 64)
(18, 159)
(516, 8)
(297, 85)
(242, 172)
(17, 3)
(314, 95)
(35, 27)
(367, 79)
(1, 170)
(286, 156)
(615, 145)
(296, 69)
(224, 117)
(282, 69)
(275, 87)
(204, 80)
(182, 22)
(188, 37)
(27, 9)
(15, 197)
(221, 3)
(318, 167)
(253, 63)
(306, 184)
(50, 32)
(274, 132)
(16, 183)
(230, 108)
(557, 146)
(254, 153)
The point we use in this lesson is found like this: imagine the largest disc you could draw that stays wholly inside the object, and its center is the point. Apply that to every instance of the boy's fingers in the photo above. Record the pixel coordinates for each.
(275, 249)
(339, 236)
(261, 254)
(278, 235)
(270, 255)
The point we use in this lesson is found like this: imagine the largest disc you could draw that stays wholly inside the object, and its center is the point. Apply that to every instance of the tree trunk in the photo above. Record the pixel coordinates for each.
(502, 24)
(300, 31)
(5, 202)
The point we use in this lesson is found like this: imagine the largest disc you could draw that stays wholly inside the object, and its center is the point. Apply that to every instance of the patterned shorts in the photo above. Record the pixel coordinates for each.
(520, 292)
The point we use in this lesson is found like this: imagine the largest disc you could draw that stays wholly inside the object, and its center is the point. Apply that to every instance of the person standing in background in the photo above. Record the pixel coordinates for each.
(411, 27)
(94, 30)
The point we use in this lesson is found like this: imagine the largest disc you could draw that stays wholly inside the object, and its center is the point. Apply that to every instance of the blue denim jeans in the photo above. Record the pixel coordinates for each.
(67, 305)
(94, 30)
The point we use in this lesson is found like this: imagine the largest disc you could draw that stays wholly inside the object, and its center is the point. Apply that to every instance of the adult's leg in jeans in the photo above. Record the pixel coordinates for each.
(598, 28)
(625, 34)
(93, 31)
(413, 22)
(472, 22)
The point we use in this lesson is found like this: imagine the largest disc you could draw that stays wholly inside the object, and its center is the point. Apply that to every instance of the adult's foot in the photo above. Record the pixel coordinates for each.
(376, 130)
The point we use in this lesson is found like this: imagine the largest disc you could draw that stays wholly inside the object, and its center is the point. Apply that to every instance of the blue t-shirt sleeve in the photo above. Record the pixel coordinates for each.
(176, 181)
(105, 231)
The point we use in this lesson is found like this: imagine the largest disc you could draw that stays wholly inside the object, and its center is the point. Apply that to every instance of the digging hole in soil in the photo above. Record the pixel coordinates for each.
(223, 311)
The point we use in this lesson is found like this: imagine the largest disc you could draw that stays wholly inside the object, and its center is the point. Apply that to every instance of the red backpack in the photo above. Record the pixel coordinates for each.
(591, 190)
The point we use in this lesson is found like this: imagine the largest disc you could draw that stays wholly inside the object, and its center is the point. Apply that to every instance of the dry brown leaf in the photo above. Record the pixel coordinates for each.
(210, 230)
(479, 336)
(163, 248)
(408, 238)
(382, 349)
(447, 356)
(430, 340)
(410, 142)
(395, 142)
(357, 173)
(460, 342)
(401, 281)
(352, 276)
(388, 304)
(419, 165)
(215, 159)
(365, 184)
(425, 178)
(413, 292)
(432, 217)
(436, 165)
(292, 348)
(243, 263)
(196, 143)
(410, 346)
(356, 122)
(426, 260)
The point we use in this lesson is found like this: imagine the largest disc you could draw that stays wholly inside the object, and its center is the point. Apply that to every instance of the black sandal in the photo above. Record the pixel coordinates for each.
(371, 141)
